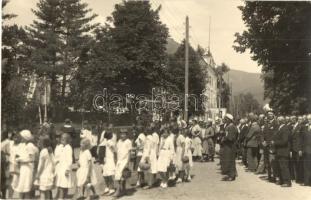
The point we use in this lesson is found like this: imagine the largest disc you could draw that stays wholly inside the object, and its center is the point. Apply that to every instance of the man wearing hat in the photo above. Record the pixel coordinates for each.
(229, 148)
(269, 130)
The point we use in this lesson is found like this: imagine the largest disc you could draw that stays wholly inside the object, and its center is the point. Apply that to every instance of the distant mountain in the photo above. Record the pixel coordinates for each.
(243, 82)
(171, 46)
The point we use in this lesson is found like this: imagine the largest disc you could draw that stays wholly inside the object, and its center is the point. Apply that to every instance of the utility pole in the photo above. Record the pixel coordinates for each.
(45, 99)
(220, 92)
(209, 35)
(186, 69)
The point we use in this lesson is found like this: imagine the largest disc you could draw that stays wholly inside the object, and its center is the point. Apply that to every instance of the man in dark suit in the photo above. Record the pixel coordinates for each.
(252, 143)
(269, 130)
(296, 164)
(229, 148)
(281, 143)
(243, 131)
(306, 150)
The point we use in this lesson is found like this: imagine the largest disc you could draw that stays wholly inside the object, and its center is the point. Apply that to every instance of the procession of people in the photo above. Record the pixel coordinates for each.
(162, 154)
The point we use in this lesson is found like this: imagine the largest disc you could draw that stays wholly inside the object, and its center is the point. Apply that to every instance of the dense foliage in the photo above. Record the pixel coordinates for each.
(278, 35)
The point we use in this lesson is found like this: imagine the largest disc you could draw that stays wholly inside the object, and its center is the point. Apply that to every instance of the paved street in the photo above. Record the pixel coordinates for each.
(207, 184)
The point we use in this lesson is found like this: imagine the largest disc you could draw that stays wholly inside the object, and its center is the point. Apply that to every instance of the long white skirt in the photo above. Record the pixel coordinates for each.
(82, 173)
(25, 180)
(153, 162)
(119, 169)
(178, 160)
(197, 146)
(62, 180)
(163, 160)
(109, 167)
(45, 182)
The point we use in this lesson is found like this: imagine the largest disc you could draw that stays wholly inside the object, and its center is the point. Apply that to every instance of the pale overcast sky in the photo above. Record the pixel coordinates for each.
(225, 21)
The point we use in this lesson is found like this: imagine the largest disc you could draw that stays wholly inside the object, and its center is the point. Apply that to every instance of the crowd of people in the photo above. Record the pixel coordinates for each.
(46, 160)
(279, 146)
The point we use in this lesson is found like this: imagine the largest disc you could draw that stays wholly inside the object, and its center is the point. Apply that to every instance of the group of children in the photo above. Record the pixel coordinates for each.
(35, 164)
(169, 155)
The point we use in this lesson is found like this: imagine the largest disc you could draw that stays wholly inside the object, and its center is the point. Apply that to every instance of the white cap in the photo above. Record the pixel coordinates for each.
(229, 116)
(26, 134)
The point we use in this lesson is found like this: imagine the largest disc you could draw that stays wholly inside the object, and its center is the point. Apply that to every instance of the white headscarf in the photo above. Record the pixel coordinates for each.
(26, 134)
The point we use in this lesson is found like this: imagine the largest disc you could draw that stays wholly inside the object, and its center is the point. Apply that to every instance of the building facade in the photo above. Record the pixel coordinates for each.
(211, 89)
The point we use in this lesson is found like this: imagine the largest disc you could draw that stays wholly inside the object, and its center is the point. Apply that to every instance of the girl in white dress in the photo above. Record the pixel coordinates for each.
(124, 147)
(25, 157)
(180, 151)
(13, 165)
(173, 132)
(188, 153)
(139, 143)
(150, 155)
(63, 161)
(86, 175)
(165, 155)
(46, 169)
(109, 165)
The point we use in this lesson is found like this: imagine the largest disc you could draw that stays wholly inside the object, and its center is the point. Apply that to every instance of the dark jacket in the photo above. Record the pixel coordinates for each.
(243, 133)
(253, 135)
(270, 129)
(230, 138)
(281, 141)
(306, 139)
(296, 139)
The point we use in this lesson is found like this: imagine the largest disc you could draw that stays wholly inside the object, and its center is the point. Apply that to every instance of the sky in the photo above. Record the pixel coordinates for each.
(225, 17)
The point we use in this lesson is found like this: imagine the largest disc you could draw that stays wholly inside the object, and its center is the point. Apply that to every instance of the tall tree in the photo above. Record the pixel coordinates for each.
(279, 37)
(140, 37)
(44, 38)
(59, 37)
(13, 94)
(99, 69)
(75, 36)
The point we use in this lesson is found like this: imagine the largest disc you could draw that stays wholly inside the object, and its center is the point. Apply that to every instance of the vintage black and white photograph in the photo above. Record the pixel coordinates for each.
(155, 99)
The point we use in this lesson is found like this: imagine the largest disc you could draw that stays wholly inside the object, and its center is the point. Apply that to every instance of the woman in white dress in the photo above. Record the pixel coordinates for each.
(63, 161)
(166, 152)
(25, 157)
(196, 140)
(86, 175)
(124, 147)
(109, 165)
(46, 169)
